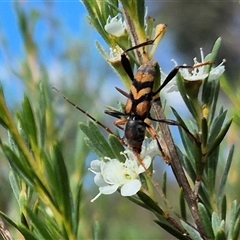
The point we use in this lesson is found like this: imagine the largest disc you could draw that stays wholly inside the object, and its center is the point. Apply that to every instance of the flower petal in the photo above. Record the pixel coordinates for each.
(216, 73)
(95, 166)
(131, 188)
(151, 150)
(115, 28)
(146, 162)
(109, 189)
(99, 181)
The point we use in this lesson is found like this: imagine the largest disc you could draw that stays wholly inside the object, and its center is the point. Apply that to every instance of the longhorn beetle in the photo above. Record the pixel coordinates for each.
(139, 101)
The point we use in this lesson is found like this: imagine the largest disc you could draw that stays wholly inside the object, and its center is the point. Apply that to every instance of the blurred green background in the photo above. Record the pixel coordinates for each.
(52, 41)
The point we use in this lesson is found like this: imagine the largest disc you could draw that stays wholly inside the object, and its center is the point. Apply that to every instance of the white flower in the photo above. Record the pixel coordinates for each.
(115, 26)
(151, 149)
(115, 54)
(113, 174)
(198, 73)
(201, 73)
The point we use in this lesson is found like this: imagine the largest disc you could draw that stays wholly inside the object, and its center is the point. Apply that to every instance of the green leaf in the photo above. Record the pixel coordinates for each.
(21, 168)
(39, 226)
(219, 137)
(205, 197)
(220, 235)
(3, 110)
(211, 169)
(214, 101)
(150, 203)
(212, 56)
(117, 147)
(187, 101)
(96, 18)
(43, 110)
(188, 165)
(216, 127)
(210, 95)
(62, 187)
(178, 117)
(76, 206)
(29, 121)
(95, 141)
(53, 226)
(204, 132)
(236, 229)
(232, 218)
(205, 220)
(211, 89)
(194, 234)
(164, 184)
(225, 174)
(49, 169)
(138, 202)
(172, 230)
(193, 159)
(15, 184)
(224, 207)
(182, 205)
(141, 8)
(96, 230)
(215, 223)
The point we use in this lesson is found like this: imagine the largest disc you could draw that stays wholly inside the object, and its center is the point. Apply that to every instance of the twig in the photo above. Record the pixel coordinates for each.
(4, 232)
(177, 167)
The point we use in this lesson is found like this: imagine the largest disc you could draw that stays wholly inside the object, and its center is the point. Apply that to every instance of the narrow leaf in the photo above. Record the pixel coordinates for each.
(42, 122)
(216, 127)
(170, 229)
(192, 232)
(211, 169)
(182, 205)
(206, 220)
(225, 174)
(204, 132)
(38, 225)
(187, 101)
(76, 210)
(232, 219)
(29, 121)
(18, 166)
(220, 137)
(150, 203)
(96, 141)
(236, 229)
(63, 186)
(164, 184)
(15, 184)
(215, 223)
(224, 207)
(214, 101)
(221, 235)
(215, 50)
(96, 230)
(117, 147)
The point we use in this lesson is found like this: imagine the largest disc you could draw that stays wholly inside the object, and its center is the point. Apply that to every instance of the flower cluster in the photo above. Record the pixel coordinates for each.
(112, 174)
(198, 73)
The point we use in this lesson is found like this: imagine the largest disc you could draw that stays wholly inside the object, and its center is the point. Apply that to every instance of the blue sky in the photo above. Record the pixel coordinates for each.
(72, 17)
